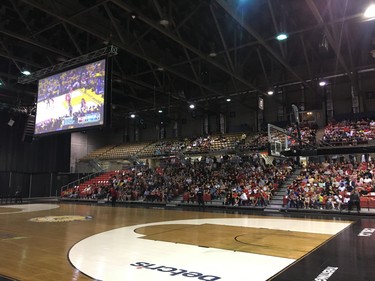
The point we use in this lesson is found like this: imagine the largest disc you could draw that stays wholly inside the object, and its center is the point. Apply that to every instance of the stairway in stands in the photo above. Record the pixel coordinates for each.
(276, 203)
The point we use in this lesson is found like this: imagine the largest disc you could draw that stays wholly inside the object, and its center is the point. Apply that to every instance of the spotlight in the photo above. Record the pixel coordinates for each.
(26, 72)
(164, 22)
(322, 83)
(228, 100)
(132, 115)
(160, 111)
(192, 106)
(212, 54)
(270, 93)
(282, 36)
(370, 12)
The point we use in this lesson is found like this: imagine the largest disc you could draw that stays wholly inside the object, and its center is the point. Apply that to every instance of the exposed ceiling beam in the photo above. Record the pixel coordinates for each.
(83, 11)
(22, 60)
(229, 59)
(260, 40)
(306, 56)
(331, 41)
(176, 39)
(34, 43)
(125, 47)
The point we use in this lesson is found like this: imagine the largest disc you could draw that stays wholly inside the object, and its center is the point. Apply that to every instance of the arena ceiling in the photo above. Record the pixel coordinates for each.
(173, 53)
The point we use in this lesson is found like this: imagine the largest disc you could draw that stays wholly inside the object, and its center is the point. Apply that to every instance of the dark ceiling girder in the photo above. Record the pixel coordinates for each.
(221, 38)
(34, 43)
(22, 60)
(306, 57)
(191, 64)
(260, 40)
(8, 52)
(123, 41)
(349, 47)
(229, 59)
(114, 23)
(250, 44)
(71, 17)
(119, 44)
(175, 38)
(79, 50)
(263, 68)
(156, 4)
(331, 41)
(181, 23)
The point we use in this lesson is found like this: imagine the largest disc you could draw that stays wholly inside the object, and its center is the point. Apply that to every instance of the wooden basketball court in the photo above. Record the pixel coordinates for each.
(91, 242)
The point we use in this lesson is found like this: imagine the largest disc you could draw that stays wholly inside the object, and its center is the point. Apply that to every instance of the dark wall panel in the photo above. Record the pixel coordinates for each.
(46, 154)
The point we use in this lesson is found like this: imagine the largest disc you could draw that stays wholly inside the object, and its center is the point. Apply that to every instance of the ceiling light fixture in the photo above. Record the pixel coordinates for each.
(26, 72)
(282, 36)
(212, 54)
(322, 83)
(270, 92)
(370, 12)
(132, 115)
(160, 111)
(228, 100)
(192, 106)
(164, 22)
(133, 16)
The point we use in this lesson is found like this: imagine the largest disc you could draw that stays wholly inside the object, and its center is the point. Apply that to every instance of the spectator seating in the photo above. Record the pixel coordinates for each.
(368, 201)
(349, 133)
(98, 152)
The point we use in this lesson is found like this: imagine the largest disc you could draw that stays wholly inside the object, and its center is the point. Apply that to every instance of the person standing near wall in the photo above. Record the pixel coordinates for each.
(354, 200)
(18, 196)
(200, 199)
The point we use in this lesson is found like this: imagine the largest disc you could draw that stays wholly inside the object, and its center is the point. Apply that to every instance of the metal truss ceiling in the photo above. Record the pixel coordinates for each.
(203, 51)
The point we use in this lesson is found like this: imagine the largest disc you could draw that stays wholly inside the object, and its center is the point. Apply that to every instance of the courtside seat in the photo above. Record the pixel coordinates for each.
(368, 201)
(207, 198)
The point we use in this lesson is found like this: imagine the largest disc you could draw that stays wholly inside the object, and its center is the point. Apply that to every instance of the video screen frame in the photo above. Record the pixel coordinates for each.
(73, 100)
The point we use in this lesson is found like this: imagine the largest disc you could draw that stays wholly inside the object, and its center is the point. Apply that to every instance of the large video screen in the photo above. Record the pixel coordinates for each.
(73, 99)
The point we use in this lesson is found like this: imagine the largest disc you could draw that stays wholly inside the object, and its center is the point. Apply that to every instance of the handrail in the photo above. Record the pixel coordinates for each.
(79, 181)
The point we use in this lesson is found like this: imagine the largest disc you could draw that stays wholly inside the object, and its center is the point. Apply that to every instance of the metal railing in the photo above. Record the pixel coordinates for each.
(81, 180)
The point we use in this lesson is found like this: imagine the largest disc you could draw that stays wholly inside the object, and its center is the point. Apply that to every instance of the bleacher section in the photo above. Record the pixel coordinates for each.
(124, 151)
(99, 152)
(213, 149)
(214, 143)
(78, 191)
(349, 133)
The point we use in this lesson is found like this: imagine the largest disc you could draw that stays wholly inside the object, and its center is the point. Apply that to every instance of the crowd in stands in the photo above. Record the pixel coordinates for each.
(237, 181)
(308, 135)
(195, 145)
(349, 132)
(255, 142)
(331, 185)
(168, 147)
(245, 180)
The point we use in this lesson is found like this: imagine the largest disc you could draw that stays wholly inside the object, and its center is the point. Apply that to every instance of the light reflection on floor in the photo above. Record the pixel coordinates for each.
(27, 208)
